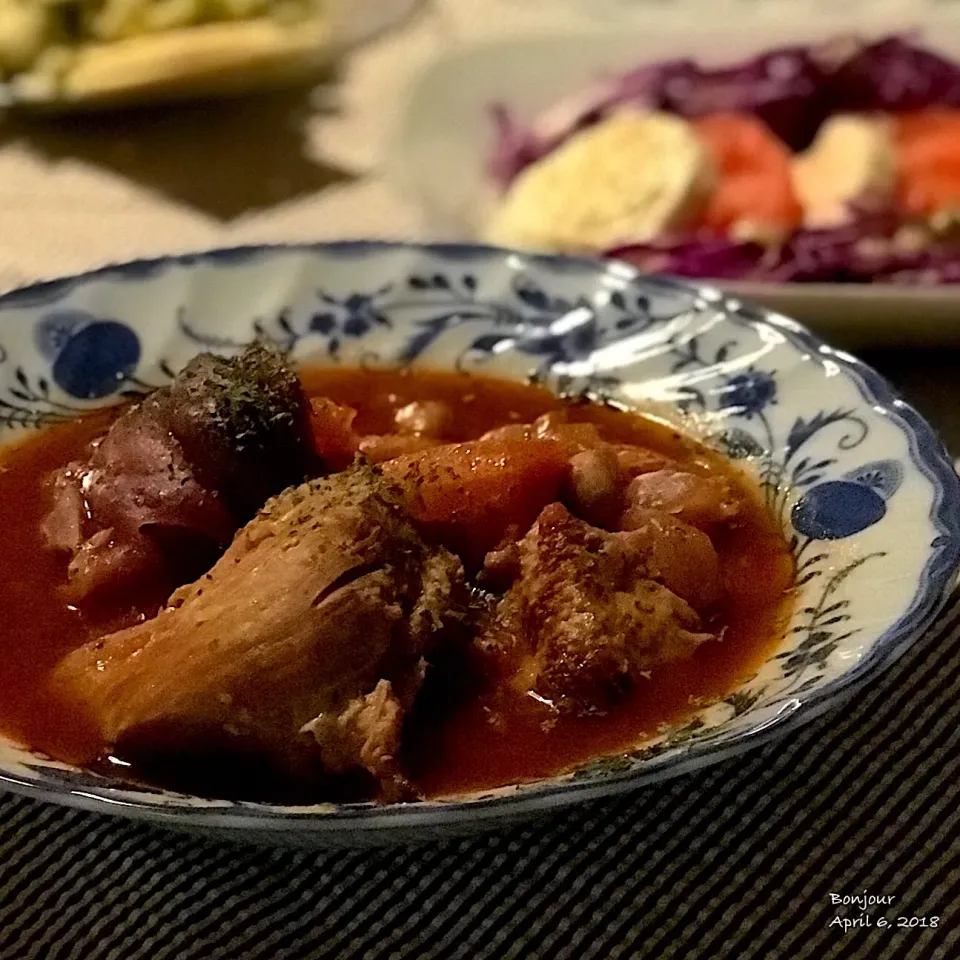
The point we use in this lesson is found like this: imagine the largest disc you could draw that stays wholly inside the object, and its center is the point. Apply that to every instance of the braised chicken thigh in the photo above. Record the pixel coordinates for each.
(304, 644)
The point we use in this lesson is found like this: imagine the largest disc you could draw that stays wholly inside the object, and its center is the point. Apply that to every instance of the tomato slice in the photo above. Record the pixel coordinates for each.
(928, 157)
(755, 189)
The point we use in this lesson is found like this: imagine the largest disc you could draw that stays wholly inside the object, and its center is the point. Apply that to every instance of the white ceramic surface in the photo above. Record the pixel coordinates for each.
(442, 140)
(866, 494)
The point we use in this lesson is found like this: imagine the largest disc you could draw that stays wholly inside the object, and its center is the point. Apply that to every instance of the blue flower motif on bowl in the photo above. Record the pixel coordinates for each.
(750, 393)
(837, 509)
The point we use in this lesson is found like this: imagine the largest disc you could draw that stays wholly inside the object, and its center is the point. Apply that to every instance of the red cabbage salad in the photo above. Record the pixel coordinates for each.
(833, 163)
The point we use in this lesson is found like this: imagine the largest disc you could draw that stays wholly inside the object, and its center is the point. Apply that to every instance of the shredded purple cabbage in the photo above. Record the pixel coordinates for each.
(892, 75)
(869, 250)
(782, 88)
(793, 90)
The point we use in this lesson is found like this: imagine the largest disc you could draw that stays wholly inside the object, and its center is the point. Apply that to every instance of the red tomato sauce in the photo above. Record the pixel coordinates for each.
(475, 736)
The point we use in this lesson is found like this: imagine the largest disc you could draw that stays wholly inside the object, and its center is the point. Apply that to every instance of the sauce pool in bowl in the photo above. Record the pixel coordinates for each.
(466, 735)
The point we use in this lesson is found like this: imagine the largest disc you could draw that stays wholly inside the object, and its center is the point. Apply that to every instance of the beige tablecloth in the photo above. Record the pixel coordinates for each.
(78, 192)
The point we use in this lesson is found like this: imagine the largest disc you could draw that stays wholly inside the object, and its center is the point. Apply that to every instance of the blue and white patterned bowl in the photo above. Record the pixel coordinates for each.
(865, 491)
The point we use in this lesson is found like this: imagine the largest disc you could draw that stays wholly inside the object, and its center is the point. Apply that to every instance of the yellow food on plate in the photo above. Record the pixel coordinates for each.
(634, 176)
(851, 160)
(24, 27)
(88, 51)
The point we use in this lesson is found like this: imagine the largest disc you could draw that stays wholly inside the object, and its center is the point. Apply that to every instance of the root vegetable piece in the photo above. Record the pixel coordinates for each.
(472, 495)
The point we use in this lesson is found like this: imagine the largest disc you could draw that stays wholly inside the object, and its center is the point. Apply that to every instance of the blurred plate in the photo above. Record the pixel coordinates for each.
(439, 151)
(212, 59)
(364, 20)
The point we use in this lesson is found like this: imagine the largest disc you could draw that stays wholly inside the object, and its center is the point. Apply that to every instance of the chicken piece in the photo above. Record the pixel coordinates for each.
(305, 643)
(596, 485)
(678, 555)
(703, 502)
(368, 729)
(599, 471)
(164, 490)
(597, 618)
(132, 507)
(501, 566)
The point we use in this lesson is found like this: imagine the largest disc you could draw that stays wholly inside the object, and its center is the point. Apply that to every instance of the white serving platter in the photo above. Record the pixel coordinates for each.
(438, 152)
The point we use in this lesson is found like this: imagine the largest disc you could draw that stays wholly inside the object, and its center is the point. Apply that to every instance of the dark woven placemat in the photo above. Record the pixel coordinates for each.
(737, 862)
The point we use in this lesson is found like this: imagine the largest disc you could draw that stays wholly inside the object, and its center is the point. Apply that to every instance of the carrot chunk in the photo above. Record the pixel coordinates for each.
(473, 495)
(334, 438)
